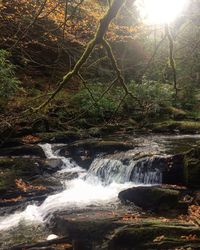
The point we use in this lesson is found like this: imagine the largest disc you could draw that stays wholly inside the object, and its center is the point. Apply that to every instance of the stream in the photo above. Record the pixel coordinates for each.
(97, 187)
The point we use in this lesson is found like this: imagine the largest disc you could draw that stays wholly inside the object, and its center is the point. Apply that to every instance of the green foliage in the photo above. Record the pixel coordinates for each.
(188, 96)
(153, 98)
(152, 95)
(82, 101)
(8, 82)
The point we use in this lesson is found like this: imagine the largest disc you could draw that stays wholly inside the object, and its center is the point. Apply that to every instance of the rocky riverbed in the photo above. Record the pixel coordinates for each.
(121, 192)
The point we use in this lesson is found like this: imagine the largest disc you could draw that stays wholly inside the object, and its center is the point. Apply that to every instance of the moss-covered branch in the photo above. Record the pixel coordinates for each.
(102, 29)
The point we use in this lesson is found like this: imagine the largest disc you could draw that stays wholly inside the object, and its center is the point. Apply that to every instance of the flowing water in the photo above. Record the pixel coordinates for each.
(100, 185)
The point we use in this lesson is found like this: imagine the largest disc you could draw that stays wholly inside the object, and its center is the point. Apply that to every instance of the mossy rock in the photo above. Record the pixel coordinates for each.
(181, 126)
(158, 199)
(192, 168)
(155, 235)
(110, 230)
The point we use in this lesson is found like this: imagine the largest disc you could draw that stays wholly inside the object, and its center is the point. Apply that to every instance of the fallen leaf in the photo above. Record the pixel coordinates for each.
(159, 238)
(30, 139)
(22, 185)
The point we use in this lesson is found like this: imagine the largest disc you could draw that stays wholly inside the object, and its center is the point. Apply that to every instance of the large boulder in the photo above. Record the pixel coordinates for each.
(24, 150)
(192, 168)
(155, 198)
(182, 169)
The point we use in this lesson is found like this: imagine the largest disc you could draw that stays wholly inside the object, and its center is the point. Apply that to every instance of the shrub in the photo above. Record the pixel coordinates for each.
(82, 101)
(8, 82)
(152, 95)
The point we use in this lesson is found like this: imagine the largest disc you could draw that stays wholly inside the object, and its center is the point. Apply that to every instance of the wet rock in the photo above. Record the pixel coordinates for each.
(84, 152)
(24, 150)
(173, 172)
(51, 165)
(157, 198)
(24, 181)
(192, 168)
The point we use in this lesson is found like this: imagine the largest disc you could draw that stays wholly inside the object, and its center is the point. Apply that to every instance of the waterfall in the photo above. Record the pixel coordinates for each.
(110, 170)
(141, 171)
(97, 187)
(146, 171)
(68, 165)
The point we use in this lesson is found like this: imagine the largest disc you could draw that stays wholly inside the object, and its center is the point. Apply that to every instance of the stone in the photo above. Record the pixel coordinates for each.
(155, 198)
(84, 152)
(24, 150)
(192, 168)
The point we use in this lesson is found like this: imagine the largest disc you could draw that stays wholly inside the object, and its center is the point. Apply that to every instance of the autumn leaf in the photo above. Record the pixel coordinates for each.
(128, 217)
(22, 185)
(63, 246)
(30, 139)
(159, 238)
(189, 237)
(18, 198)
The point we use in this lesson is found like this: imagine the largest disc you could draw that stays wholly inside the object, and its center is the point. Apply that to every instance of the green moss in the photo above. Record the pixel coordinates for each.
(182, 126)
(143, 235)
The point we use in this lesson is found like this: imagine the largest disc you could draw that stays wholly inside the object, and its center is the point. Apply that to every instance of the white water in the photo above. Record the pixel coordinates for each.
(78, 193)
(138, 171)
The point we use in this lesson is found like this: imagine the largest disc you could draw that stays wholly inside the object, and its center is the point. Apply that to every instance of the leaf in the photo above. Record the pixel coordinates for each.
(30, 139)
(189, 237)
(22, 185)
(159, 238)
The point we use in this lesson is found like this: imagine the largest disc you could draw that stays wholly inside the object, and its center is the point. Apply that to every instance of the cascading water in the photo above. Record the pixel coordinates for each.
(140, 171)
(67, 164)
(98, 187)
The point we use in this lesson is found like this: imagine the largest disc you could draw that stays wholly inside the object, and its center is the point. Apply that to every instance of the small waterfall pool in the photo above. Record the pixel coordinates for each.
(99, 186)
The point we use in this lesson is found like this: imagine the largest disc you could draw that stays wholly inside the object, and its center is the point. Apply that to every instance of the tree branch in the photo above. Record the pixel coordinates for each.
(102, 29)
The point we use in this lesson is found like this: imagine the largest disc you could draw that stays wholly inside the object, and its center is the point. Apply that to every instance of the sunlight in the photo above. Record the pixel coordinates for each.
(160, 11)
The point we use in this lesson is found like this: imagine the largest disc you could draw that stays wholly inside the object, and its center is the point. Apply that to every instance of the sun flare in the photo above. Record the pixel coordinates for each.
(160, 11)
